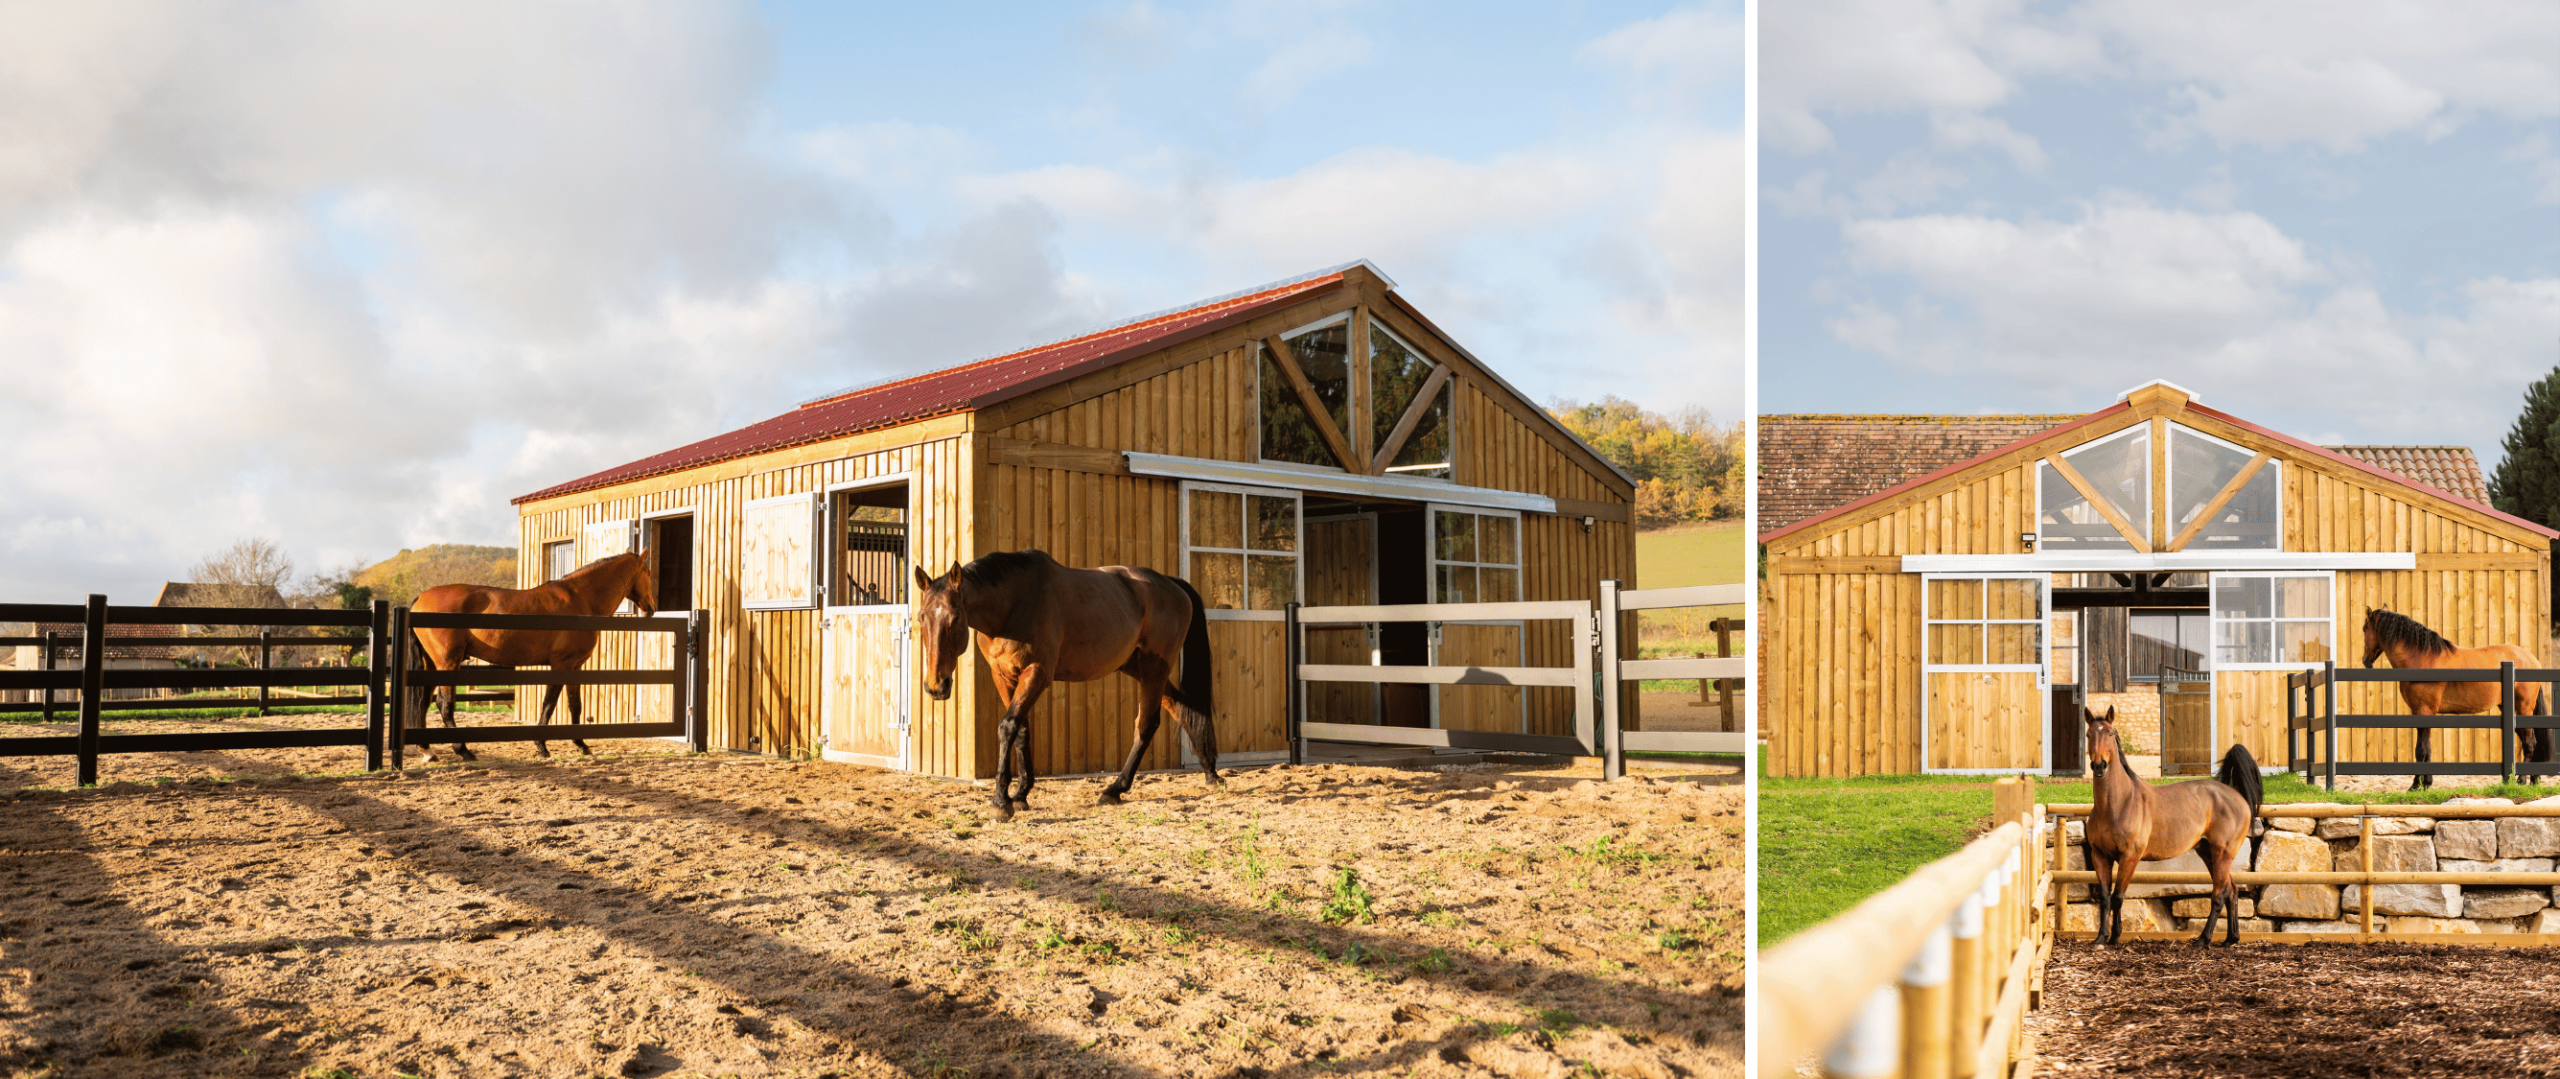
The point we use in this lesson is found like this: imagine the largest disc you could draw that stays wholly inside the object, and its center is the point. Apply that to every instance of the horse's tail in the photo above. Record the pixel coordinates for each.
(1197, 690)
(2240, 773)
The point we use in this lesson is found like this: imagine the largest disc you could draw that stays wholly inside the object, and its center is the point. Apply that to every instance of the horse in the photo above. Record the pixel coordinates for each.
(2133, 822)
(2412, 646)
(1038, 622)
(593, 589)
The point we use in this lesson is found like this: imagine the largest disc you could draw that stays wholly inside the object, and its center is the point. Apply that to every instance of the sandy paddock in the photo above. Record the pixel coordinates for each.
(648, 914)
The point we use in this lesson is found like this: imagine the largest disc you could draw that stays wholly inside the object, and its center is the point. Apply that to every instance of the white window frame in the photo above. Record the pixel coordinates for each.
(549, 546)
(1449, 386)
(2169, 484)
(2042, 467)
(1298, 507)
(1431, 563)
(641, 531)
(2041, 668)
(2215, 621)
(1353, 385)
(829, 588)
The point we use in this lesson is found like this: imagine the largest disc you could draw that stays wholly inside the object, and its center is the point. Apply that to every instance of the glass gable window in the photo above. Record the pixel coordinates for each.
(1288, 433)
(1475, 557)
(2200, 466)
(1396, 374)
(2118, 469)
(2271, 619)
(1241, 547)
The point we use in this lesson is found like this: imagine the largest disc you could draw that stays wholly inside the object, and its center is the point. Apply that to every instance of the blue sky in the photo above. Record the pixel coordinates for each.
(2342, 221)
(350, 275)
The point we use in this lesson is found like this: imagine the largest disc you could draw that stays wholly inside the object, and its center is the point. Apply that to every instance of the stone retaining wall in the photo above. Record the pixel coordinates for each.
(2328, 844)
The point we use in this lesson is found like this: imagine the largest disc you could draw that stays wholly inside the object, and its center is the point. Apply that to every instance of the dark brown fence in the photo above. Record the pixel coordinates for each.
(2312, 722)
(388, 674)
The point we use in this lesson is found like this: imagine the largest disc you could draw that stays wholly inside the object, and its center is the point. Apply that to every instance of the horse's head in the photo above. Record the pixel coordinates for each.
(942, 629)
(643, 592)
(2103, 749)
(2372, 635)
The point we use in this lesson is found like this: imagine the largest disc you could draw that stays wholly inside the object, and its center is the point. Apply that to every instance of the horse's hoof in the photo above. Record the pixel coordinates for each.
(1004, 813)
(1022, 803)
(1109, 798)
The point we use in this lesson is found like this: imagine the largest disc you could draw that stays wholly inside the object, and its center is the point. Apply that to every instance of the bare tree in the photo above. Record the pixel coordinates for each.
(251, 572)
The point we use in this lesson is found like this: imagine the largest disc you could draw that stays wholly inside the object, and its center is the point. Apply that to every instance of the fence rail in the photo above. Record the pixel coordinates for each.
(2312, 721)
(1928, 979)
(1598, 670)
(391, 674)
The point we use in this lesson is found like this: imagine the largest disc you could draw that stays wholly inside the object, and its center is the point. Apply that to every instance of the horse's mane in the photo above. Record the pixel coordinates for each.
(591, 566)
(2399, 629)
(991, 570)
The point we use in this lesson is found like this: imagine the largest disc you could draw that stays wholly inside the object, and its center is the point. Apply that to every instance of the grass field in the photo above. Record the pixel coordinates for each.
(1692, 554)
(1826, 844)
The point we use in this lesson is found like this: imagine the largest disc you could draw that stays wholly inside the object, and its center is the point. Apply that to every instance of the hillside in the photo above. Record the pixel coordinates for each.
(401, 577)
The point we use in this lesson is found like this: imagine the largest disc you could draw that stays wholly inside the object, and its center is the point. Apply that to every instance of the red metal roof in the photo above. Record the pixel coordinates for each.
(964, 388)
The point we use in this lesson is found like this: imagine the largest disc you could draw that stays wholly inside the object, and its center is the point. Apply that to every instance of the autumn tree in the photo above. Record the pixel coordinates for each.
(1687, 467)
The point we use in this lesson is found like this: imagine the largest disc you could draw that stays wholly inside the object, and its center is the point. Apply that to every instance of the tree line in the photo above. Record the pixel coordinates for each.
(1687, 467)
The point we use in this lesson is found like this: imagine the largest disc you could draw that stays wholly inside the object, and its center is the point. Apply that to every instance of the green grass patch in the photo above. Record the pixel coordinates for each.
(1692, 554)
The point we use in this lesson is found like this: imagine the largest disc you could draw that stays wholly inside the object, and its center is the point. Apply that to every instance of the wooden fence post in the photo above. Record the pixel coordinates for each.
(1610, 725)
(396, 733)
(266, 662)
(376, 692)
(93, 678)
(2507, 712)
(52, 644)
(697, 688)
(1293, 691)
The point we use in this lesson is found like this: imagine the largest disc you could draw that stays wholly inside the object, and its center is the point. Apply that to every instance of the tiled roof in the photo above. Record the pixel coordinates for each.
(1813, 463)
(71, 632)
(2451, 469)
(968, 386)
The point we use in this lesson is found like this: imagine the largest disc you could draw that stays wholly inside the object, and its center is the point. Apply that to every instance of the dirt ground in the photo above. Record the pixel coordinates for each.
(2163, 1008)
(647, 914)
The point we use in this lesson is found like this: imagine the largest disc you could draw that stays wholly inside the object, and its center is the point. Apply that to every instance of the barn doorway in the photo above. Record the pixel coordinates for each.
(867, 693)
(666, 544)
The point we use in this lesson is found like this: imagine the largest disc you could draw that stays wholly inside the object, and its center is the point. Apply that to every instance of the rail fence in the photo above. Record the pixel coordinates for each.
(390, 674)
(1597, 671)
(1929, 979)
(2312, 722)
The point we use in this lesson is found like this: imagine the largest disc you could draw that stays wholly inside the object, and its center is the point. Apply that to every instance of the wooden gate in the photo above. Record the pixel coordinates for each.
(864, 702)
(2186, 722)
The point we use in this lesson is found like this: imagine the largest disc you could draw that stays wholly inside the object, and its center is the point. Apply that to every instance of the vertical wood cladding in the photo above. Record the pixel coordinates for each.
(765, 677)
(1843, 637)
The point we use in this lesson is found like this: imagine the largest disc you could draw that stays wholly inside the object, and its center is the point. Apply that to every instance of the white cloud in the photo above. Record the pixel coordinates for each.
(2224, 302)
(1950, 58)
(1688, 56)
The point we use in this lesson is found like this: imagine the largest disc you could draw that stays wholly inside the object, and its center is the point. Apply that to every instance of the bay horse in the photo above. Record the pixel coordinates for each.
(1038, 622)
(2412, 646)
(2132, 822)
(596, 588)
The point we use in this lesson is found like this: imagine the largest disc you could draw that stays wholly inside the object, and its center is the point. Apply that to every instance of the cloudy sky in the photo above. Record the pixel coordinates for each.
(349, 275)
(2340, 220)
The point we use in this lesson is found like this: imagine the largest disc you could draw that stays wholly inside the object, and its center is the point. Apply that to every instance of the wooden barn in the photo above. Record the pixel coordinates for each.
(1949, 623)
(1316, 440)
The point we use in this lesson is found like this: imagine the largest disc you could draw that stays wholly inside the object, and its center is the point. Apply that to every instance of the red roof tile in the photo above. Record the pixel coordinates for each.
(964, 388)
(1813, 463)
(71, 632)
(2451, 469)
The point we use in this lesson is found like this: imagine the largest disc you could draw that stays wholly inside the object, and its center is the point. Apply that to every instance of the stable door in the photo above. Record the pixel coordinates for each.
(865, 699)
(1983, 674)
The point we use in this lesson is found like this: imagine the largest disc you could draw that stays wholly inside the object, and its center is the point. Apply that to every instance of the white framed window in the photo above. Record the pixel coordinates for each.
(868, 547)
(2118, 469)
(1475, 555)
(2200, 466)
(2273, 621)
(559, 559)
(1983, 623)
(1240, 549)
